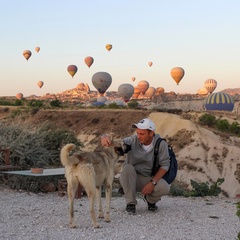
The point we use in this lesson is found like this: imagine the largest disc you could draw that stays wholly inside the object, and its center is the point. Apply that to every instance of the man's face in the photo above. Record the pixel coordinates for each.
(144, 136)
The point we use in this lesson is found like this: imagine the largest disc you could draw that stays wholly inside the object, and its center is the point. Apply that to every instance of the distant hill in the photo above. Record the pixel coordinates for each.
(231, 91)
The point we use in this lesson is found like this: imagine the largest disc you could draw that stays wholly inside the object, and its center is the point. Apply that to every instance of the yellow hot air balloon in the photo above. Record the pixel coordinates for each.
(177, 74)
(40, 83)
(143, 86)
(19, 96)
(150, 64)
(72, 69)
(27, 54)
(210, 85)
(37, 49)
(89, 61)
(108, 47)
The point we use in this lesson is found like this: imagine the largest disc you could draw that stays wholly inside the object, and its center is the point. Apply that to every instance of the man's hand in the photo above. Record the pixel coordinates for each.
(105, 141)
(148, 188)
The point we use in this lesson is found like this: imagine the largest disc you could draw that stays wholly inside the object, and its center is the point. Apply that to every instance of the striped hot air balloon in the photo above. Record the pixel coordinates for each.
(219, 101)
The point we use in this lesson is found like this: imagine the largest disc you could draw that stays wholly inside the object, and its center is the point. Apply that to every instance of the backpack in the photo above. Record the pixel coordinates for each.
(171, 174)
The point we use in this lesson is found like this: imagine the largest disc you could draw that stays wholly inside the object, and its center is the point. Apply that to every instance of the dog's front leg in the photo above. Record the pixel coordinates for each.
(99, 201)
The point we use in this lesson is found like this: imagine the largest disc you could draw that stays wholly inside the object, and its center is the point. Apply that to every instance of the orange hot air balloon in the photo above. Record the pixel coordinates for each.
(40, 83)
(159, 90)
(89, 61)
(150, 64)
(27, 54)
(177, 74)
(143, 86)
(108, 47)
(136, 92)
(72, 69)
(19, 96)
(150, 92)
(210, 85)
(37, 49)
(133, 79)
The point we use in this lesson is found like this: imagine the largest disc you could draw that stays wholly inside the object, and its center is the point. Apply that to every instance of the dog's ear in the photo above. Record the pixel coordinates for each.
(119, 151)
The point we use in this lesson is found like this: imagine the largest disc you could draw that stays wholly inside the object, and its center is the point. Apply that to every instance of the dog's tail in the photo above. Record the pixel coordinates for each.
(64, 155)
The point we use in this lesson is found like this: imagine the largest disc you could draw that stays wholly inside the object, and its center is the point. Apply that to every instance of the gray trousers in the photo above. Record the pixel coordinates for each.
(132, 183)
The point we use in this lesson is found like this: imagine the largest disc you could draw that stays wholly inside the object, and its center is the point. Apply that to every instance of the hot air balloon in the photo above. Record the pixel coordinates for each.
(177, 74)
(136, 92)
(19, 96)
(101, 81)
(89, 61)
(108, 47)
(27, 54)
(126, 91)
(202, 91)
(210, 85)
(150, 92)
(72, 69)
(159, 90)
(101, 99)
(150, 64)
(143, 86)
(40, 83)
(219, 101)
(37, 49)
(133, 79)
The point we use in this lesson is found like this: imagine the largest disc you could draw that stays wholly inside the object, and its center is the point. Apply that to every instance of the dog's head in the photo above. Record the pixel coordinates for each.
(121, 148)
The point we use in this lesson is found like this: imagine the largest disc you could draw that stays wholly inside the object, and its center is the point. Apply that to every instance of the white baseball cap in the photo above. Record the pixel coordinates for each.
(145, 124)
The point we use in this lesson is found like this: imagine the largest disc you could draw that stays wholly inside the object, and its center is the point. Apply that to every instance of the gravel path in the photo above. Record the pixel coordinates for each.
(45, 216)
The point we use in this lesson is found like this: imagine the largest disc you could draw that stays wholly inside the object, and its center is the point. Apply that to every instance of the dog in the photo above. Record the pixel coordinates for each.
(92, 170)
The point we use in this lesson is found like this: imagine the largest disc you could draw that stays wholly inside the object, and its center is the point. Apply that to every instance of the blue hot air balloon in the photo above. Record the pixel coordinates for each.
(219, 101)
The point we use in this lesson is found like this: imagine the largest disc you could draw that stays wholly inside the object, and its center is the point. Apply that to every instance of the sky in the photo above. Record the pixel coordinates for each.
(202, 37)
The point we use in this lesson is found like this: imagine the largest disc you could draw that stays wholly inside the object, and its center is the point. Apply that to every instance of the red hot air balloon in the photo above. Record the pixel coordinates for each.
(72, 69)
(89, 61)
(19, 96)
(150, 64)
(143, 86)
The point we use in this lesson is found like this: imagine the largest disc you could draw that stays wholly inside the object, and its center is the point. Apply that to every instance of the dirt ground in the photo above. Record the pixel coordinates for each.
(91, 121)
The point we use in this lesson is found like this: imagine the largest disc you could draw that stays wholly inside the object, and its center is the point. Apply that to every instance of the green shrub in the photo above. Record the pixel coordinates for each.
(55, 103)
(204, 189)
(133, 104)
(113, 106)
(207, 119)
(35, 103)
(222, 125)
(234, 128)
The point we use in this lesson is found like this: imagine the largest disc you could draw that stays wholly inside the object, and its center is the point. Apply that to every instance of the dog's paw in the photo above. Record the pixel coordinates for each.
(97, 225)
(72, 225)
(107, 220)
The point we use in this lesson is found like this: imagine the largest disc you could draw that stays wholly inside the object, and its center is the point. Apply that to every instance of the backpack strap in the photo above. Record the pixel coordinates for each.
(156, 147)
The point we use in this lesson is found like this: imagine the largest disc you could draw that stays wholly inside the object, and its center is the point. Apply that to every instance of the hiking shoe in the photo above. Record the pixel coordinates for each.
(131, 209)
(151, 206)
